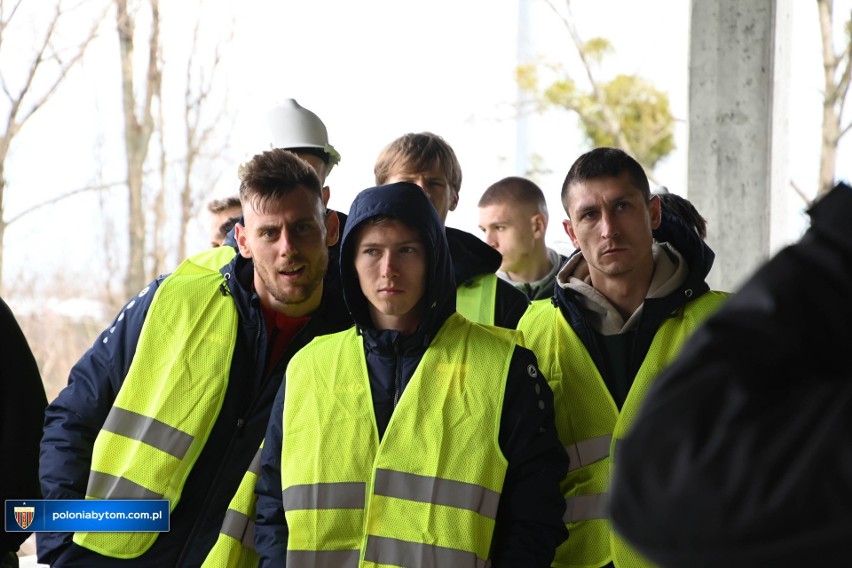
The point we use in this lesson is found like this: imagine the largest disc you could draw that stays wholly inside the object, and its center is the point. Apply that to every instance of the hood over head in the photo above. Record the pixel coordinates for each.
(407, 203)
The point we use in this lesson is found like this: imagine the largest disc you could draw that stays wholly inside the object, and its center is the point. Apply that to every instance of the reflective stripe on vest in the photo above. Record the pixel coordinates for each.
(589, 423)
(234, 548)
(586, 507)
(160, 421)
(351, 495)
(382, 502)
(395, 552)
(586, 452)
(477, 299)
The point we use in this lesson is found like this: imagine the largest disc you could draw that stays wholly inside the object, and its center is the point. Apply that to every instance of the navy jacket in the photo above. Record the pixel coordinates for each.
(529, 520)
(741, 455)
(73, 420)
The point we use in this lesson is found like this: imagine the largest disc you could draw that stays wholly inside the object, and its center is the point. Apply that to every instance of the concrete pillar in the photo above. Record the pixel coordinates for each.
(738, 80)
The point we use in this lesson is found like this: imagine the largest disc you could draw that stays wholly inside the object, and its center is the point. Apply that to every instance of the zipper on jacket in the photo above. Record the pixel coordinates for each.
(397, 373)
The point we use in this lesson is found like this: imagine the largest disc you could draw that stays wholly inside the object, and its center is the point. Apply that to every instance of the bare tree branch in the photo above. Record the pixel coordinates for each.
(62, 197)
(845, 129)
(834, 95)
(801, 193)
(64, 69)
(611, 122)
(4, 21)
(200, 127)
(139, 127)
(12, 125)
(845, 76)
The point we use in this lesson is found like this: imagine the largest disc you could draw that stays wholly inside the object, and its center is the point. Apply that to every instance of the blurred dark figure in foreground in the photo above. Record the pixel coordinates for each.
(741, 455)
(22, 404)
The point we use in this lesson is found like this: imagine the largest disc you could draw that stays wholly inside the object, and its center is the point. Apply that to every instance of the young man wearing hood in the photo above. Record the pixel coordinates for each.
(624, 304)
(428, 161)
(417, 438)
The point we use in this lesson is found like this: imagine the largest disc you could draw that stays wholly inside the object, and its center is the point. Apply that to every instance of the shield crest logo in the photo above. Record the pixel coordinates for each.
(24, 516)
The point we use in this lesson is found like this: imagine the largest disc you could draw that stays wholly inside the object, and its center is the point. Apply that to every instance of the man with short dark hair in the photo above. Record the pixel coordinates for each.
(624, 303)
(196, 356)
(513, 217)
(429, 161)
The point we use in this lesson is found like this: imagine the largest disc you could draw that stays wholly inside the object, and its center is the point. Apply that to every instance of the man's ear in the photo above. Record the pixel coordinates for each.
(454, 200)
(332, 225)
(539, 224)
(569, 230)
(240, 234)
(655, 208)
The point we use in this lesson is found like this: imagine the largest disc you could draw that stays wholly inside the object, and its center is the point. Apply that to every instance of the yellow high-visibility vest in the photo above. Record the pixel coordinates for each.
(430, 488)
(589, 423)
(170, 399)
(476, 299)
(234, 547)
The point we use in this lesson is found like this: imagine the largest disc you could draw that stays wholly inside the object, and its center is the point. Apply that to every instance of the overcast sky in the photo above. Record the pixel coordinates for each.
(372, 71)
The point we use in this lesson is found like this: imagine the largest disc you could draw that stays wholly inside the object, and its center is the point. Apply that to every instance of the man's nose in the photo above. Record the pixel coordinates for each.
(287, 243)
(389, 265)
(609, 226)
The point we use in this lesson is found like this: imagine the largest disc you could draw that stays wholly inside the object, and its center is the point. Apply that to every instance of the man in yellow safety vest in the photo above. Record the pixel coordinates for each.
(633, 290)
(173, 399)
(417, 438)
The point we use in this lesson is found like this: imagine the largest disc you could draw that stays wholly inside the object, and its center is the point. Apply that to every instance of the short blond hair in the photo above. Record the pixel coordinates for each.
(418, 152)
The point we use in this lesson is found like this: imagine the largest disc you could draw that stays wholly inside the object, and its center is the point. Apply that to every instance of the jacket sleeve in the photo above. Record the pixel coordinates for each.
(509, 305)
(741, 455)
(270, 535)
(22, 402)
(529, 523)
(73, 420)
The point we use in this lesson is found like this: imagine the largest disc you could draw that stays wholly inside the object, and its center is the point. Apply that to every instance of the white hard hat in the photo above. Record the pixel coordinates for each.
(293, 126)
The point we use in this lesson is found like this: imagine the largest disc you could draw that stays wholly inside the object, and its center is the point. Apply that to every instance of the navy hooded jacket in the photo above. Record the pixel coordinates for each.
(75, 417)
(529, 523)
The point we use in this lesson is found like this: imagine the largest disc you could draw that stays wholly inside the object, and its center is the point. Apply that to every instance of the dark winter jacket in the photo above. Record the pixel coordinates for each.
(529, 525)
(23, 401)
(471, 257)
(741, 455)
(699, 258)
(75, 417)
